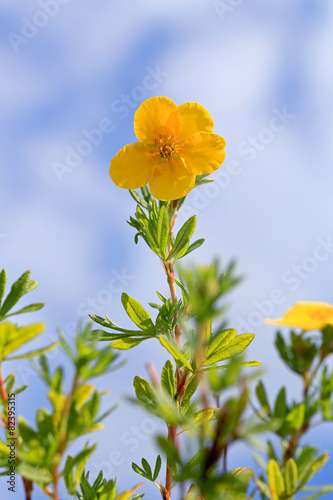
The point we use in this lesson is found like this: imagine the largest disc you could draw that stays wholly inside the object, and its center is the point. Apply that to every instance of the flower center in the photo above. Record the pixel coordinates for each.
(166, 146)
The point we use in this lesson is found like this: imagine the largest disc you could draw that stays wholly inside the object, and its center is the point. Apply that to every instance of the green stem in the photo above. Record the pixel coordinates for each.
(308, 378)
(181, 380)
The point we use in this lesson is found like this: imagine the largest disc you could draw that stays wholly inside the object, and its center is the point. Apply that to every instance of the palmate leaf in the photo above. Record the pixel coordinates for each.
(146, 471)
(140, 471)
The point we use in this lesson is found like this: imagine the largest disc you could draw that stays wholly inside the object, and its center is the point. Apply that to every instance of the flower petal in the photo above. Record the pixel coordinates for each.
(171, 181)
(194, 118)
(151, 119)
(133, 166)
(306, 315)
(203, 153)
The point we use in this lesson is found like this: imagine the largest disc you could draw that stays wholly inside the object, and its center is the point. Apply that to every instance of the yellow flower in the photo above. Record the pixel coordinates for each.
(176, 145)
(306, 315)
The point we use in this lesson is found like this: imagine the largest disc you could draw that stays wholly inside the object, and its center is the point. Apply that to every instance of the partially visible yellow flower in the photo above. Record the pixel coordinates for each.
(176, 145)
(306, 315)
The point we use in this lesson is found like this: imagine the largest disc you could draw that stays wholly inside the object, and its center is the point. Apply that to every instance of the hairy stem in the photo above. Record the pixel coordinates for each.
(181, 380)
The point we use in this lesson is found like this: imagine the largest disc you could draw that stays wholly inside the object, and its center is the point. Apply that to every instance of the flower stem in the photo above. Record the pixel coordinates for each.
(181, 380)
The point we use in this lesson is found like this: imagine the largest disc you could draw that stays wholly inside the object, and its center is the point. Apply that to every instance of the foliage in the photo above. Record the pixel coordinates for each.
(206, 394)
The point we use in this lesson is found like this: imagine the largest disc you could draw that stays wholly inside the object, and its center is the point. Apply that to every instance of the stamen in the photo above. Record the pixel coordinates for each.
(166, 146)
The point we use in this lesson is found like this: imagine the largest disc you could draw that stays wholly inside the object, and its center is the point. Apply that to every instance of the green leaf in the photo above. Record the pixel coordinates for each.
(3, 282)
(137, 313)
(37, 475)
(82, 393)
(323, 490)
(191, 387)
(144, 392)
(233, 348)
(220, 340)
(136, 197)
(262, 397)
(139, 470)
(108, 324)
(101, 335)
(198, 458)
(202, 179)
(163, 229)
(171, 453)
(175, 352)
(22, 286)
(108, 492)
(270, 451)
(296, 417)
(312, 467)
(147, 467)
(72, 477)
(291, 477)
(127, 343)
(251, 364)
(264, 488)
(32, 307)
(157, 469)
(183, 238)
(280, 404)
(168, 380)
(260, 461)
(12, 337)
(37, 352)
(275, 479)
(195, 245)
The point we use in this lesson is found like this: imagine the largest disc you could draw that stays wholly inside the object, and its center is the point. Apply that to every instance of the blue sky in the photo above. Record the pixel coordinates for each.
(262, 69)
